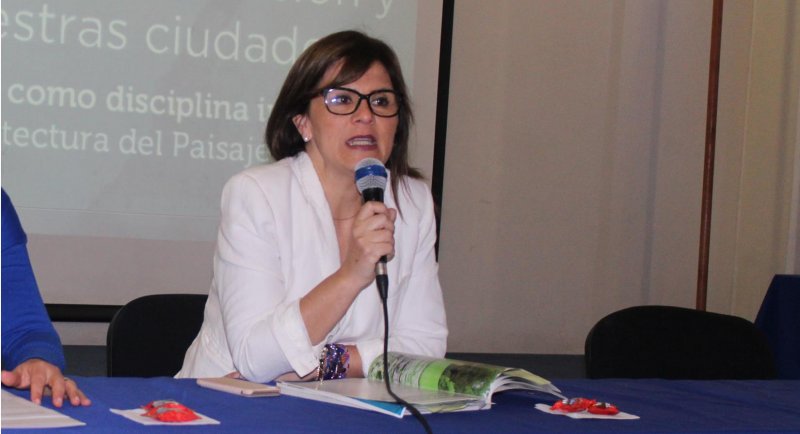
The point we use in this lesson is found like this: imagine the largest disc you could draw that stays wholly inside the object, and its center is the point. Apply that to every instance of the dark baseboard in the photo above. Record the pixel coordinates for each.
(90, 361)
(81, 312)
(85, 360)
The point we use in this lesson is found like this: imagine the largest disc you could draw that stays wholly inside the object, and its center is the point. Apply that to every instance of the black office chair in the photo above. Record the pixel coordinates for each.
(148, 337)
(676, 343)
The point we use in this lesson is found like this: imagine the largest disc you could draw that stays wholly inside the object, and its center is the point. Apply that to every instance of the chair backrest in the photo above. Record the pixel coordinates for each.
(149, 336)
(676, 343)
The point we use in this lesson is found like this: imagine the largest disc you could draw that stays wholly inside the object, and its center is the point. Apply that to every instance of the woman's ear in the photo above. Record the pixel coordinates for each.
(301, 123)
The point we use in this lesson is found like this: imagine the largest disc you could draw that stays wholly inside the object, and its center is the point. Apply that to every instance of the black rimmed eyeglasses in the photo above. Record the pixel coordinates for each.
(344, 101)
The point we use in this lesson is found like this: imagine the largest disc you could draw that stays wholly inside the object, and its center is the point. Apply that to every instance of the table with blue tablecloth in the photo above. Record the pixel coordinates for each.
(664, 406)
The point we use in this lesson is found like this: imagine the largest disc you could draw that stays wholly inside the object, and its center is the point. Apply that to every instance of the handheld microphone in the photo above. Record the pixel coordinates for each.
(371, 182)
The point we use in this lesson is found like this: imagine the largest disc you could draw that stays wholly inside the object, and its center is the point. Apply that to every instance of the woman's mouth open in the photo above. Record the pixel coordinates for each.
(362, 142)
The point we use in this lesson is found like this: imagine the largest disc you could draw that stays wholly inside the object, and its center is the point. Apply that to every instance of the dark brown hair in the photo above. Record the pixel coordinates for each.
(356, 52)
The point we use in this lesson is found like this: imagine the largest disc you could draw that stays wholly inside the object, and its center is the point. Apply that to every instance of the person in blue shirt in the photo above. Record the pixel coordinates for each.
(32, 357)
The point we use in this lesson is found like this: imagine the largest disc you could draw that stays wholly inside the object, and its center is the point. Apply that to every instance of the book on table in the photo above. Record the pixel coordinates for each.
(431, 385)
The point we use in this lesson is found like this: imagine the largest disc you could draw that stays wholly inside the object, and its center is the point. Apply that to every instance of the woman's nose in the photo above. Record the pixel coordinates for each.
(363, 112)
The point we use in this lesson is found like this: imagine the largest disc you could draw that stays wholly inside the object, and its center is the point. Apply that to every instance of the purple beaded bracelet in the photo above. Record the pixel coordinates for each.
(333, 362)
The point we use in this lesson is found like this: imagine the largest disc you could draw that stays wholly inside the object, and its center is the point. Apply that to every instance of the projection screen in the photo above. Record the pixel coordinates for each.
(123, 120)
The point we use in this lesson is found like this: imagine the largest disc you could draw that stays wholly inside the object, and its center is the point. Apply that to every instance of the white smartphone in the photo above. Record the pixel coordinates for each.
(239, 387)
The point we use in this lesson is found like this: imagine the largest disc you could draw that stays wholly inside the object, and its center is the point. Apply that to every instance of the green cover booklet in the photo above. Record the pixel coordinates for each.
(432, 385)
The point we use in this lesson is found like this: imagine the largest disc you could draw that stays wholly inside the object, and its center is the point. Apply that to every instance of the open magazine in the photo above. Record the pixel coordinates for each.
(431, 385)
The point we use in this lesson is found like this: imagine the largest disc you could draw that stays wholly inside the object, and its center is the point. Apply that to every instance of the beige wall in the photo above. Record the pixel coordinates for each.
(757, 182)
(574, 163)
(573, 169)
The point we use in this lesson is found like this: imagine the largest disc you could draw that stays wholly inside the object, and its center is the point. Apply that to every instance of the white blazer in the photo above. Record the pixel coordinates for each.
(276, 242)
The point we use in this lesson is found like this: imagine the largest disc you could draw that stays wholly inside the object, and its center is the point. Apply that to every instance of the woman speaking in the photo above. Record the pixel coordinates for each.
(293, 294)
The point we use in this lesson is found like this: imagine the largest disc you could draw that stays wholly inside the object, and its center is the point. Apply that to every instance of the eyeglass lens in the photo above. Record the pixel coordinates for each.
(346, 101)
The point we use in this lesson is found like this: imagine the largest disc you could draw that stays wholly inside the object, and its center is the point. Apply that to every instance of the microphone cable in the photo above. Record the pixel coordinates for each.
(382, 281)
(371, 177)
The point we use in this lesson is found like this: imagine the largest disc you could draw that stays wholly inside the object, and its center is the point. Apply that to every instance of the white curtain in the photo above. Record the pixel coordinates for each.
(793, 250)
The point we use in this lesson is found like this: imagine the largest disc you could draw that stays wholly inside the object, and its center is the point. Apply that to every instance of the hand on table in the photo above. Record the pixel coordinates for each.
(37, 375)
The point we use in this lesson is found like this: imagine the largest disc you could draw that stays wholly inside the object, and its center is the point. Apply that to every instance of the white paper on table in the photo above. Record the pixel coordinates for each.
(586, 415)
(136, 415)
(18, 412)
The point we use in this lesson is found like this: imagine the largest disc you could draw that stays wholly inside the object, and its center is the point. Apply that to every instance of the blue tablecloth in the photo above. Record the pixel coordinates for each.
(664, 406)
(779, 319)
